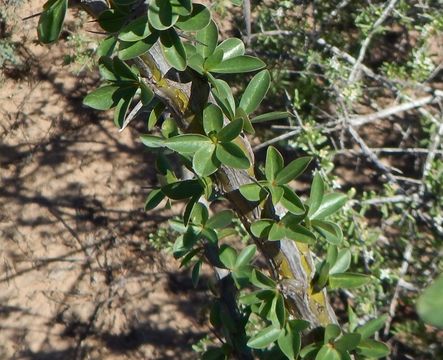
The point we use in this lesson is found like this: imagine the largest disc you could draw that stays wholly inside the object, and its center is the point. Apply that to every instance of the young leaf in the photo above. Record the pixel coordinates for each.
(160, 14)
(372, 326)
(292, 170)
(136, 30)
(207, 40)
(230, 131)
(239, 64)
(212, 118)
(232, 48)
(173, 49)
(155, 114)
(204, 162)
(274, 163)
(329, 205)
(316, 195)
(264, 338)
(198, 19)
(51, 20)
(187, 143)
(230, 154)
(255, 91)
(348, 280)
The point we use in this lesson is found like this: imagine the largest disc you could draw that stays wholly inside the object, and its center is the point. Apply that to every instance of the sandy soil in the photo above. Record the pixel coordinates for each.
(77, 277)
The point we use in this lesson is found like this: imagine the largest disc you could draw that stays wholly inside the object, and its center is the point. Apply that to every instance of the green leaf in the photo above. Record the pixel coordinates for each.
(204, 162)
(332, 331)
(160, 14)
(247, 126)
(154, 198)
(181, 7)
(261, 228)
(51, 20)
(130, 50)
(348, 280)
(291, 201)
(278, 311)
(264, 338)
(207, 39)
(152, 141)
(239, 64)
(373, 349)
(223, 95)
(213, 60)
(327, 352)
(309, 350)
(107, 46)
(228, 256)
(136, 30)
(348, 342)
(197, 20)
(123, 105)
(173, 49)
(102, 98)
(261, 281)
(275, 115)
(155, 114)
(220, 219)
(316, 195)
(430, 303)
(232, 155)
(329, 230)
(274, 163)
(182, 189)
(187, 143)
(230, 131)
(199, 214)
(212, 118)
(342, 262)
(211, 235)
(146, 94)
(292, 170)
(255, 91)
(123, 71)
(289, 342)
(232, 48)
(245, 256)
(330, 204)
(196, 273)
(299, 233)
(372, 326)
(277, 232)
(253, 192)
(276, 193)
(195, 61)
(112, 20)
(169, 128)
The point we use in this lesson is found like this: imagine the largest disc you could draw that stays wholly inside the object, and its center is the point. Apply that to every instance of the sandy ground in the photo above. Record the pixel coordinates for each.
(77, 277)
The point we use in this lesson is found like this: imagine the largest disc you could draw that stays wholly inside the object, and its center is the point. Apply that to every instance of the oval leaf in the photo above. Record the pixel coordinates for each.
(51, 20)
(232, 48)
(255, 91)
(197, 20)
(160, 14)
(330, 204)
(274, 163)
(292, 170)
(136, 30)
(204, 162)
(187, 143)
(239, 64)
(230, 131)
(207, 40)
(348, 280)
(173, 49)
(231, 155)
(264, 338)
(430, 303)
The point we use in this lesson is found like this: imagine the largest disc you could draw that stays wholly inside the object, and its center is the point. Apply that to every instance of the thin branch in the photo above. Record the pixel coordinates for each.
(413, 151)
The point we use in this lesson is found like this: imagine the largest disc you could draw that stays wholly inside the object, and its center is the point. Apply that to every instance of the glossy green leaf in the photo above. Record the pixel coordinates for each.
(291, 201)
(169, 128)
(372, 326)
(330, 204)
(136, 30)
(255, 91)
(181, 7)
(195, 62)
(239, 64)
(342, 262)
(213, 60)
(187, 143)
(154, 198)
(274, 163)
(197, 20)
(122, 106)
(348, 280)
(327, 352)
(261, 228)
(317, 193)
(228, 256)
(264, 338)
(112, 20)
(253, 192)
(348, 342)
(199, 214)
(278, 311)
(372, 349)
(123, 71)
(232, 155)
(245, 256)
(207, 40)
(276, 193)
(184, 189)
(220, 219)
(146, 94)
(277, 232)
(329, 230)
(204, 162)
(160, 14)
(430, 303)
(230, 131)
(130, 50)
(247, 125)
(107, 46)
(289, 342)
(212, 118)
(152, 141)
(196, 273)
(173, 49)
(224, 97)
(262, 281)
(299, 233)
(275, 115)
(51, 20)
(102, 98)
(294, 169)
(232, 47)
